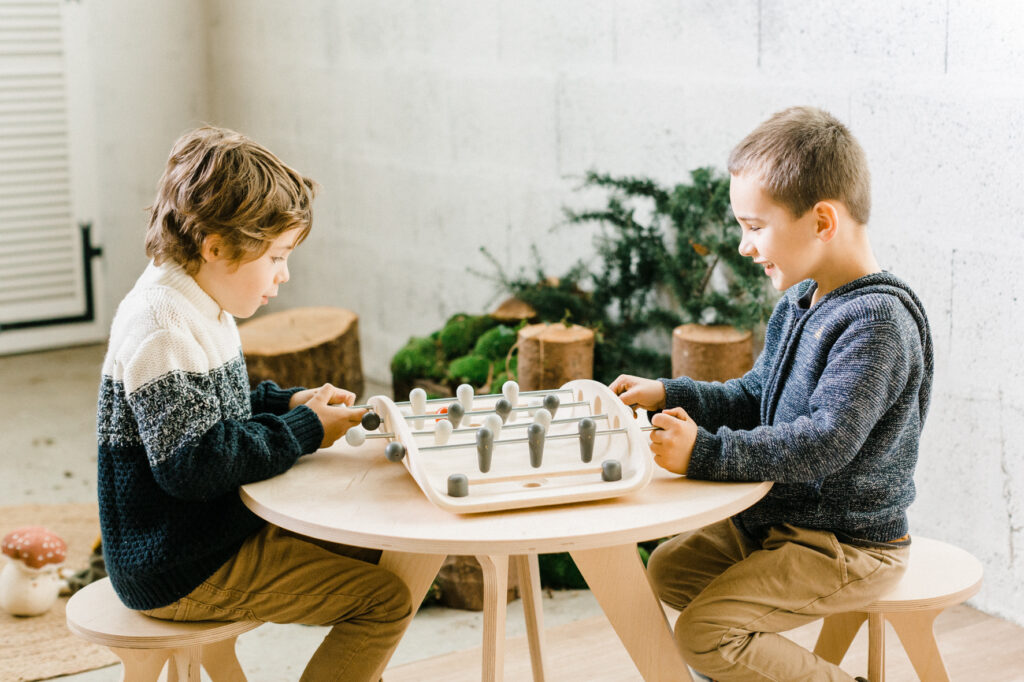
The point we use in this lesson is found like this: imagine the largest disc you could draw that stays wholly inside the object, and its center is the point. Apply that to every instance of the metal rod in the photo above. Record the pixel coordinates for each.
(557, 436)
(517, 425)
(485, 395)
(519, 408)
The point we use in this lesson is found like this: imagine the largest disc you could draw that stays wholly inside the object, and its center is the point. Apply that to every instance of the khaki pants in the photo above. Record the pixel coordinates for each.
(277, 577)
(735, 596)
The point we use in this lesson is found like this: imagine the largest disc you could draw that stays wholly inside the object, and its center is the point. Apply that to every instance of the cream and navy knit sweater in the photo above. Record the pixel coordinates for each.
(178, 432)
(832, 411)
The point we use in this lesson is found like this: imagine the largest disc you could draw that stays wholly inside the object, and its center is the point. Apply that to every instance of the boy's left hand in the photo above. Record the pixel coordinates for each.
(339, 396)
(673, 443)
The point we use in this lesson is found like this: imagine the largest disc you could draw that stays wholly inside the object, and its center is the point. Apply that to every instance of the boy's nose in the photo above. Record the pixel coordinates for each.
(283, 275)
(746, 249)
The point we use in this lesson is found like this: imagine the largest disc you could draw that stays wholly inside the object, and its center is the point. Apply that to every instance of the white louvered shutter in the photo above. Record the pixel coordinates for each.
(40, 246)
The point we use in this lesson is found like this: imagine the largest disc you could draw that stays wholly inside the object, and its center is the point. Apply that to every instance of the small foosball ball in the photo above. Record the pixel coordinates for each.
(479, 453)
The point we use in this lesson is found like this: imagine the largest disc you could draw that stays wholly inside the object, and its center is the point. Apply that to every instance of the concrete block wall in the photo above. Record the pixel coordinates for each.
(436, 128)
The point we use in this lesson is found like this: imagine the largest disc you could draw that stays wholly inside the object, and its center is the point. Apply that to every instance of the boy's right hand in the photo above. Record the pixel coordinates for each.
(638, 392)
(336, 418)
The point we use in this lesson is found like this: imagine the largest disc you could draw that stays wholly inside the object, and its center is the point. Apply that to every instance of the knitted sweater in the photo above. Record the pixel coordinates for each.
(832, 411)
(178, 432)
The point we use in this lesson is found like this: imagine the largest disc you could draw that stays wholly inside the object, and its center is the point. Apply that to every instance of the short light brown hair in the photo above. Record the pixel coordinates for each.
(219, 182)
(804, 155)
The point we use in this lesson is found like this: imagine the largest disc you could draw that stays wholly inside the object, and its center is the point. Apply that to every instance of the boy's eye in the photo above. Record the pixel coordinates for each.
(276, 259)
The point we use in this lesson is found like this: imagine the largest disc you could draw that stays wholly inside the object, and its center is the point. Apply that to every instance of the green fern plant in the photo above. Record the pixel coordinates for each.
(653, 243)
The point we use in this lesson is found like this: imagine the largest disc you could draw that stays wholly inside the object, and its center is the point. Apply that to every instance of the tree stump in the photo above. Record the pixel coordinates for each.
(711, 352)
(552, 354)
(304, 347)
(461, 582)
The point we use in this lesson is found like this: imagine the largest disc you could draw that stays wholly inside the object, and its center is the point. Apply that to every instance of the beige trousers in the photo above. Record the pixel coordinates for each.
(278, 577)
(735, 596)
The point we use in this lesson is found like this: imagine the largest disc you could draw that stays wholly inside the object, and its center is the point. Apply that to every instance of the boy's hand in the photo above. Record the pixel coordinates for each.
(332, 407)
(638, 392)
(673, 444)
(338, 396)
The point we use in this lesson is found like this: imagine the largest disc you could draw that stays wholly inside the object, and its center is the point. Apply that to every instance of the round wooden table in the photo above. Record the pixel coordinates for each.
(356, 497)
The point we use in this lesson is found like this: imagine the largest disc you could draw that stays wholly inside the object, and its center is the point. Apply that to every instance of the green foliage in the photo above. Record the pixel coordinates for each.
(469, 369)
(495, 343)
(657, 249)
(419, 358)
(461, 331)
(484, 345)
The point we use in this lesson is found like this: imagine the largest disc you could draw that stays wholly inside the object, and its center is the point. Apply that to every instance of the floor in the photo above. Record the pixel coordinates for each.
(48, 409)
(49, 416)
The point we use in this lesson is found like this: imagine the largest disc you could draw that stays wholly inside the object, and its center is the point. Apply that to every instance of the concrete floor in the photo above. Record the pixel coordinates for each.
(48, 403)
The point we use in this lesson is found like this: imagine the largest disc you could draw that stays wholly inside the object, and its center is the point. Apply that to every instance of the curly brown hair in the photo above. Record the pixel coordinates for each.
(219, 182)
(805, 155)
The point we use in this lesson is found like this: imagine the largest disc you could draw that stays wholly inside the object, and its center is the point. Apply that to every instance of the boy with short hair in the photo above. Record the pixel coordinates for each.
(179, 430)
(831, 412)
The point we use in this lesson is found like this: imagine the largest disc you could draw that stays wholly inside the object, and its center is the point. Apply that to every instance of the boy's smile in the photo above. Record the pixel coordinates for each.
(241, 288)
(784, 245)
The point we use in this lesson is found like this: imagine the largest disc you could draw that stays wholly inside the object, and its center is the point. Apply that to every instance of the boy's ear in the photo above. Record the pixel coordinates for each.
(826, 220)
(211, 248)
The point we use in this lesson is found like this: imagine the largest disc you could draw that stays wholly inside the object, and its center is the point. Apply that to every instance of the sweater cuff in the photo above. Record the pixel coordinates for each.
(704, 461)
(306, 428)
(679, 392)
(276, 398)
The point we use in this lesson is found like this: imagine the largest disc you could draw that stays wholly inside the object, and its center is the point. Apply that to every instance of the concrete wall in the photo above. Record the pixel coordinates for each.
(436, 128)
(149, 84)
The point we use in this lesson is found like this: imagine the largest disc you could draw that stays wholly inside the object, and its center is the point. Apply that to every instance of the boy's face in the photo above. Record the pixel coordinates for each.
(241, 288)
(784, 245)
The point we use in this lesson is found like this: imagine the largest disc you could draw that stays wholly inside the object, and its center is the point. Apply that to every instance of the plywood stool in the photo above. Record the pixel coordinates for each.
(146, 644)
(938, 576)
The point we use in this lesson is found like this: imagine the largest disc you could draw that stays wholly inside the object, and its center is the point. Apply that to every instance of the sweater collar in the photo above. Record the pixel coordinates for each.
(172, 275)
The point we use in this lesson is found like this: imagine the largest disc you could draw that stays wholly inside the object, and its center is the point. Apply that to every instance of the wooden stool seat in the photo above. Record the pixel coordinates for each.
(938, 576)
(145, 644)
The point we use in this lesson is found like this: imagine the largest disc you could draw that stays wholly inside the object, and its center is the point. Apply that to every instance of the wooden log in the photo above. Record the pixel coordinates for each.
(711, 352)
(304, 347)
(552, 354)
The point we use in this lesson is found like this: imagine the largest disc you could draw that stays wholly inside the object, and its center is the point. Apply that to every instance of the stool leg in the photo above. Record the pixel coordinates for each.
(142, 665)
(876, 647)
(221, 663)
(916, 631)
(837, 634)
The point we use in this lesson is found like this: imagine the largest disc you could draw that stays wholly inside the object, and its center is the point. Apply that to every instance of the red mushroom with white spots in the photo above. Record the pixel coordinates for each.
(30, 583)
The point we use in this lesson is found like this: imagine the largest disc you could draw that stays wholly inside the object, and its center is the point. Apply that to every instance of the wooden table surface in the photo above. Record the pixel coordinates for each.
(355, 496)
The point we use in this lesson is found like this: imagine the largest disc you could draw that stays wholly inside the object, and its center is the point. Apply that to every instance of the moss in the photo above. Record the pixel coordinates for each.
(461, 331)
(419, 358)
(495, 343)
(469, 369)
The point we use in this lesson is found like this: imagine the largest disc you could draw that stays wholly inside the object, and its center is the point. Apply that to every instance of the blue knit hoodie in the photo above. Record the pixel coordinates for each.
(832, 411)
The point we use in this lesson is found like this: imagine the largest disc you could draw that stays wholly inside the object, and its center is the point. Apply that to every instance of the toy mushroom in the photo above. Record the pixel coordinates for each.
(29, 583)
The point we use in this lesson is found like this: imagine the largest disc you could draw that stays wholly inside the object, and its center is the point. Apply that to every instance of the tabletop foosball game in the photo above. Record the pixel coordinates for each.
(514, 449)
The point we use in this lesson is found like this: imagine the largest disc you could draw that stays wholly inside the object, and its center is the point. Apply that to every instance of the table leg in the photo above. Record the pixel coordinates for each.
(495, 573)
(618, 580)
(528, 570)
(417, 571)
